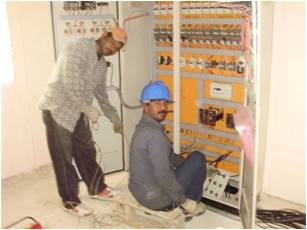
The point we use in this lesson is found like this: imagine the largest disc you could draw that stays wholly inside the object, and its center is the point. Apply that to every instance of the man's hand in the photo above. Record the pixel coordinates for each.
(91, 112)
(117, 127)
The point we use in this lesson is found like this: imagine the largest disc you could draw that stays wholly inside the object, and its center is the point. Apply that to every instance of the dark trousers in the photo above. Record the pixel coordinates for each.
(191, 175)
(65, 146)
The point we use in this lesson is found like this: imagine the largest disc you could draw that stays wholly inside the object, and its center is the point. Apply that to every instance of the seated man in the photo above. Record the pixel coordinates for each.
(160, 179)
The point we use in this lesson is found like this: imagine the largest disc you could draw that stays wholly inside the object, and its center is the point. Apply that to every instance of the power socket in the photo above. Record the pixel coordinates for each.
(216, 186)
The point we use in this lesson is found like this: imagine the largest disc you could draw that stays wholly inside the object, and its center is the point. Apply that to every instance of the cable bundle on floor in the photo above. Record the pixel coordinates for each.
(285, 218)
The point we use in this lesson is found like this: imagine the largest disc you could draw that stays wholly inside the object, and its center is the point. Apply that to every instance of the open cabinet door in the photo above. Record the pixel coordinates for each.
(248, 208)
(247, 125)
(72, 19)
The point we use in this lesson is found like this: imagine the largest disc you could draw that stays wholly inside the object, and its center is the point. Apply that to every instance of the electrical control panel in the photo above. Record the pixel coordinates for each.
(82, 19)
(215, 64)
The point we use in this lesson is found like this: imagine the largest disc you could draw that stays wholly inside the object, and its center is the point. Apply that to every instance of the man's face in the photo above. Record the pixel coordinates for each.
(157, 109)
(110, 46)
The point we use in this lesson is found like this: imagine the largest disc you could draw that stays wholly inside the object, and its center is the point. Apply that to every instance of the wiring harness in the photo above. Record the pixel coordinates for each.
(284, 218)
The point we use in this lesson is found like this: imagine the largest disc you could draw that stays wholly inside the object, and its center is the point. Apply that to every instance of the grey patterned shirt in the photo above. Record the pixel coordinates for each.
(77, 78)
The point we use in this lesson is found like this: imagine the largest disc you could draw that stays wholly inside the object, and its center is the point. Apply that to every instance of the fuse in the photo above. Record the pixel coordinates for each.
(201, 63)
(199, 8)
(223, 41)
(185, 9)
(214, 41)
(231, 66)
(170, 10)
(156, 9)
(169, 60)
(182, 62)
(222, 65)
(163, 9)
(161, 60)
(240, 65)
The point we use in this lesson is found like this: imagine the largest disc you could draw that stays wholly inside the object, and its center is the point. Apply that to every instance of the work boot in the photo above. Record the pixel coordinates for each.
(201, 208)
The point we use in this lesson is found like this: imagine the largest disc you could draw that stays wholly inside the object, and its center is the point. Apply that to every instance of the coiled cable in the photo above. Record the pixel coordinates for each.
(284, 218)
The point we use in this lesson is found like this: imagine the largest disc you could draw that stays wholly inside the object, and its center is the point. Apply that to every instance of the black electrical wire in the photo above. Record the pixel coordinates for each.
(284, 218)
(189, 147)
(219, 159)
(118, 91)
(235, 175)
(270, 225)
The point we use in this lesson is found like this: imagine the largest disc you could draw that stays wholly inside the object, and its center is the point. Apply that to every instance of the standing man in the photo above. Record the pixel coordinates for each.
(159, 178)
(78, 76)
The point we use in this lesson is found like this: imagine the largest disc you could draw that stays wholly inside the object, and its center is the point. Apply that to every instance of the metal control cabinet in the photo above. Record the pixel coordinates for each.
(216, 81)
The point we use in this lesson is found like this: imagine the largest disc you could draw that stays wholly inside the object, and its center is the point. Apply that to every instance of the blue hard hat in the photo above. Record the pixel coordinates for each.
(155, 90)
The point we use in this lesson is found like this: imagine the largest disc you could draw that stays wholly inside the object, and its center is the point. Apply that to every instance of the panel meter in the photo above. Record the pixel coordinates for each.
(221, 90)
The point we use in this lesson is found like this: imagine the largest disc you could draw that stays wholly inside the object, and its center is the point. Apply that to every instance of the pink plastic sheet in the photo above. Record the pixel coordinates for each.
(245, 128)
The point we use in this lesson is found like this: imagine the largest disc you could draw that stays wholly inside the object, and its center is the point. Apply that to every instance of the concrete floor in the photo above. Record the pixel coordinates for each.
(35, 194)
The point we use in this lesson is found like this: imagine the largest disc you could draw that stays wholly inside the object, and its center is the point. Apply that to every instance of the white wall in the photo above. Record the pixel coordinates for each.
(284, 173)
(23, 134)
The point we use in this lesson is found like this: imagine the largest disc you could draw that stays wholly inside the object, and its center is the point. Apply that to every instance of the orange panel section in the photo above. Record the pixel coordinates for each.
(189, 93)
(168, 80)
(188, 105)
(237, 91)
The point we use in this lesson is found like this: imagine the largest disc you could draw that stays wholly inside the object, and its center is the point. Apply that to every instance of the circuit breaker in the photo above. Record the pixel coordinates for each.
(215, 40)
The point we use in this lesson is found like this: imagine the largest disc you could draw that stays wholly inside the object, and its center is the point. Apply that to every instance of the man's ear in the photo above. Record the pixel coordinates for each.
(145, 107)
